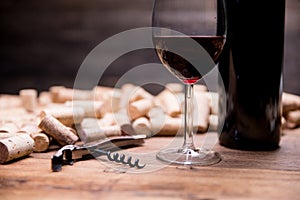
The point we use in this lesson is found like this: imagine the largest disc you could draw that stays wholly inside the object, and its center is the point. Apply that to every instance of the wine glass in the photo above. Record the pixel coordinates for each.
(175, 23)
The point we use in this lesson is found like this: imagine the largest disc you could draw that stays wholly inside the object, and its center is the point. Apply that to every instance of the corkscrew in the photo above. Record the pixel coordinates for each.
(121, 158)
(68, 154)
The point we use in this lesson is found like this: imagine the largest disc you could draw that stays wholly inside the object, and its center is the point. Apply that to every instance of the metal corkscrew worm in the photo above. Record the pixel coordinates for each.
(68, 154)
(121, 158)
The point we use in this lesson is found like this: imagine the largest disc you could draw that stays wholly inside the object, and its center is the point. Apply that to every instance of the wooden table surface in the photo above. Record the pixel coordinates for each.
(240, 175)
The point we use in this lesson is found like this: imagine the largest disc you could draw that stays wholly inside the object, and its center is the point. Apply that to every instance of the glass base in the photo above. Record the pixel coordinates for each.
(200, 157)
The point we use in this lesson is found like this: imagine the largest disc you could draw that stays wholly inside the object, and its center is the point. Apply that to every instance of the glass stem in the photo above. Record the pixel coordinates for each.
(188, 117)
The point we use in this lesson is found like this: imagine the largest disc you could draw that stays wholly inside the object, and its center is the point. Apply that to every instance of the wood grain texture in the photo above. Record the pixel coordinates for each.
(240, 175)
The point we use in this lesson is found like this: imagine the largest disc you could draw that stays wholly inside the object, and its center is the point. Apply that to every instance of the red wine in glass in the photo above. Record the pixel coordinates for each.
(179, 66)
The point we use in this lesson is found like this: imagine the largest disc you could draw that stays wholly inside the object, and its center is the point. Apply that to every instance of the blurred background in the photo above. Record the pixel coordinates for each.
(43, 43)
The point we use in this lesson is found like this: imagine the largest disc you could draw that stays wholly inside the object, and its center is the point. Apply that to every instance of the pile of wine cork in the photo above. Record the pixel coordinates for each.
(129, 109)
(32, 123)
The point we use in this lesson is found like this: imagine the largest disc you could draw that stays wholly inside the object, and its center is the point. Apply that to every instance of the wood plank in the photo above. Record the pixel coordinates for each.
(171, 182)
(241, 175)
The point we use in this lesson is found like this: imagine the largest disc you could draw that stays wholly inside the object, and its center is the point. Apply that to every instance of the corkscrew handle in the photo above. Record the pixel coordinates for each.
(68, 154)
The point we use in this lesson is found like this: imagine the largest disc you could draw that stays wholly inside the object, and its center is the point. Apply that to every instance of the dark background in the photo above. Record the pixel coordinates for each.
(43, 43)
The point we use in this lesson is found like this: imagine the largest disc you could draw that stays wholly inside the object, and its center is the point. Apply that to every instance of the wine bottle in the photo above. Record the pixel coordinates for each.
(251, 67)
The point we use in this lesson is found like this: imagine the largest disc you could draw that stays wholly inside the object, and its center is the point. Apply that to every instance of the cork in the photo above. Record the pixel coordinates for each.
(89, 123)
(9, 101)
(61, 133)
(108, 106)
(29, 99)
(290, 102)
(121, 117)
(44, 98)
(101, 93)
(175, 87)
(41, 142)
(66, 115)
(286, 124)
(126, 92)
(61, 94)
(293, 117)
(109, 96)
(131, 93)
(169, 102)
(140, 93)
(213, 122)
(15, 147)
(82, 95)
(93, 134)
(155, 111)
(213, 102)
(166, 126)
(139, 108)
(142, 126)
(91, 108)
(201, 112)
(110, 119)
(54, 92)
(200, 88)
(162, 124)
(107, 120)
